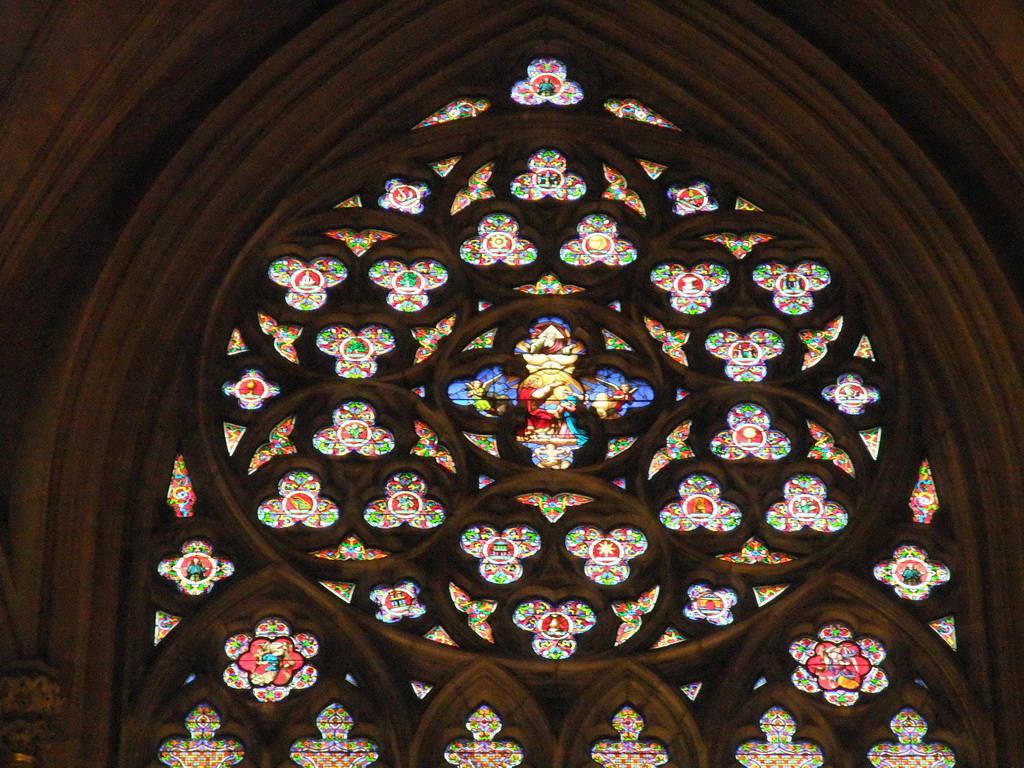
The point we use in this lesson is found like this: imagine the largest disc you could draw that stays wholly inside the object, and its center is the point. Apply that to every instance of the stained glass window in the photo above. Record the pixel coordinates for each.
(507, 422)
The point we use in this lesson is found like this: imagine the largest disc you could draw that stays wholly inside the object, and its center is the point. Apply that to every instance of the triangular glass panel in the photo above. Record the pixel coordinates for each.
(654, 170)
(421, 689)
(671, 636)
(233, 436)
(236, 344)
(341, 589)
(438, 635)
(764, 595)
(864, 349)
(162, 624)
(444, 167)
(872, 440)
(691, 690)
(946, 629)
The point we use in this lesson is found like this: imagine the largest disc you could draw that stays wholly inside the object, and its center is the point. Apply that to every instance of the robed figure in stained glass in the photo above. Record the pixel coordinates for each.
(551, 394)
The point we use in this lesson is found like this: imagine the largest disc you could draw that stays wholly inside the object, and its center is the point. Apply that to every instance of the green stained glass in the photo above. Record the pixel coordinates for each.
(483, 341)
(438, 635)
(631, 613)
(232, 436)
(279, 443)
(618, 189)
(946, 629)
(764, 595)
(755, 552)
(911, 750)
(872, 440)
(631, 109)
(430, 336)
(483, 751)
(629, 751)
(202, 749)
(341, 589)
(181, 496)
(825, 449)
(611, 341)
(671, 636)
(360, 241)
(924, 502)
(549, 285)
(476, 189)
(163, 623)
(477, 611)
(351, 549)
(444, 167)
(779, 750)
(334, 749)
(739, 245)
(236, 344)
(460, 109)
(617, 445)
(817, 341)
(674, 450)
(652, 169)
(284, 337)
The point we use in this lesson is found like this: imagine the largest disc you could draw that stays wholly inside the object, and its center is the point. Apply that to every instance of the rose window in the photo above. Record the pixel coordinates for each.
(529, 400)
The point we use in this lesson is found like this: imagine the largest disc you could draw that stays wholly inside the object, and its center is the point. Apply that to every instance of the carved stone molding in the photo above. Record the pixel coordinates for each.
(30, 701)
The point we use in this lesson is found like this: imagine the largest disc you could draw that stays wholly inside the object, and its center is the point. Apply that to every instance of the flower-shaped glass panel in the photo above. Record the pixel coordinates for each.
(746, 354)
(546, 83)
(750, 434)
(696, 198)
(405, 503)
(272, 662)
(196, 570)
(850, 394)
(805, 505)
(354, 431)
(792, 288)
(700, 505)
(710, 605)
(408, 284)
(690, 290)
(838, 665)
(554, 628)
(299, 502)
(307, 284)
(404, 196)
(548, 177)
(500, 553)
(498, 242)
(607, 555)
(355, 351)
(598, 243)
(911, 573)
(398, 601)
(251, 390)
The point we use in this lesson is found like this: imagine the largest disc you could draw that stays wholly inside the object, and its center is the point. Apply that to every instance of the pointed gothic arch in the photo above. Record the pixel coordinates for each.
(760, 99)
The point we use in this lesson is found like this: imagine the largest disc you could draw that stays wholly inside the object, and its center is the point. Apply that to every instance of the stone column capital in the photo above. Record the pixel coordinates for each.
(30, 702)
